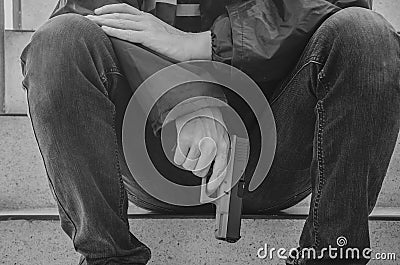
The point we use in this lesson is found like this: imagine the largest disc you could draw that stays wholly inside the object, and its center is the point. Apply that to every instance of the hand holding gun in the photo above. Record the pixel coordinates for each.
(228, 198)
(225, 186)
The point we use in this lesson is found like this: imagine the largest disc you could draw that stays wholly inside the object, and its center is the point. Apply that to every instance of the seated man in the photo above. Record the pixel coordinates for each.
(328, 68)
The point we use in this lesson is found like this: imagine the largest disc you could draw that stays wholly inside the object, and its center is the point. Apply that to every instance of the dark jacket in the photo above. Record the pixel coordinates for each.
(263, 38)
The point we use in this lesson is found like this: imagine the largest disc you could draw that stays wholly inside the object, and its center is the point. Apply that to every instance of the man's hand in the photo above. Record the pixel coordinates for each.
(202, 139)
(129, 23)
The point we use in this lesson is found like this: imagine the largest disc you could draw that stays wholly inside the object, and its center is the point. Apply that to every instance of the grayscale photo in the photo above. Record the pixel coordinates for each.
(204, 132)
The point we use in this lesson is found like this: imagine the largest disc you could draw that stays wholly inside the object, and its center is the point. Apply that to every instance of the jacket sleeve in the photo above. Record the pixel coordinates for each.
(265, 38)
(349, 3)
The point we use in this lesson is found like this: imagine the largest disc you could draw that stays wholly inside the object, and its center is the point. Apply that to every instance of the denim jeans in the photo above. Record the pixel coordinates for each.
(337, 117)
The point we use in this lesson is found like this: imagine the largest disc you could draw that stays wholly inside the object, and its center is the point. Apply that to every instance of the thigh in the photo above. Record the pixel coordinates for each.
(288, 181)
(293, 105)
(141, 64)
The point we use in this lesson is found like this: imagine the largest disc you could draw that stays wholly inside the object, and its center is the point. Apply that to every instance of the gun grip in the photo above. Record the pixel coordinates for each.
(204, 197)
(228, 197)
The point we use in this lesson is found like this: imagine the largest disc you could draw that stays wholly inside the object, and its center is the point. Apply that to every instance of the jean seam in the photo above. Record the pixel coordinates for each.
(107, 84)
(114, 70)
(23, 65)
(61, 206)
(104, 77)
(242, 41)
(150, 206)
(310, 60)
(286, 201)
(322, 80)
(121, 182)
(321, 170)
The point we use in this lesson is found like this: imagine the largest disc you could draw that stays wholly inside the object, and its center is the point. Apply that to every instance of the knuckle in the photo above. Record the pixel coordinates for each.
(187, 167)
(148, 16)
(197, 173)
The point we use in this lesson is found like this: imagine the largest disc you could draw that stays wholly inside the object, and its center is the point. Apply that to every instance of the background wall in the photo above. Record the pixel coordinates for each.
(34, 13)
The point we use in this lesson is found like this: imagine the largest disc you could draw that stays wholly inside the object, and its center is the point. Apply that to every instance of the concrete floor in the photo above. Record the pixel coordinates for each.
(178, 242)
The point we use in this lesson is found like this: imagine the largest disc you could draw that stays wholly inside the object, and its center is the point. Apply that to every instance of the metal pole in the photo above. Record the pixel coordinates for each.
(2, 57)
(17, 14)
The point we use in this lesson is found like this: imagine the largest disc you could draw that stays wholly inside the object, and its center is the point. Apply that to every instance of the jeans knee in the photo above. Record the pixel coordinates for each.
(63, 53)
(64, 47)
(360, 30)
(362, 45)
(62, 40)
(69, 32)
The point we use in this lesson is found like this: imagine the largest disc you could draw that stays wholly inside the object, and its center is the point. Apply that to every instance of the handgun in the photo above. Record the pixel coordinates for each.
(228, 197)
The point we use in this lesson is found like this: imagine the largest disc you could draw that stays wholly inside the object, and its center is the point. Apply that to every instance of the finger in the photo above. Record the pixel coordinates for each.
(219, 170)
(123, 16)
(117, 8)
(192, 158)
(202, 173)
(123, 34)
(118, 23)
(181, 152)
(208, 151)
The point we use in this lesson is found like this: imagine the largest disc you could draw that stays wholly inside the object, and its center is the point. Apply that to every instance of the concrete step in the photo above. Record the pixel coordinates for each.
(390, 9)
(135, 212)
(24, 183)
(34, 13)
(184, 242)
(14, 100)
